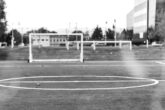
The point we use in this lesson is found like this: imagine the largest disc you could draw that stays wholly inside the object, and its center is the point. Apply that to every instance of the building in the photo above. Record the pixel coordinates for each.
(56, 40)
(43, 40)
(130, 20)
(137, 18)
(49, 40)
(53, 39)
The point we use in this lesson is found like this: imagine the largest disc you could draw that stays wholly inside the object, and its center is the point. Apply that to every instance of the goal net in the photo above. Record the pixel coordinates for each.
(49, 47)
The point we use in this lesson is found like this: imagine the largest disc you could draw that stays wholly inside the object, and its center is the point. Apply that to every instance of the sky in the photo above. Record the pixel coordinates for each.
(66, 15)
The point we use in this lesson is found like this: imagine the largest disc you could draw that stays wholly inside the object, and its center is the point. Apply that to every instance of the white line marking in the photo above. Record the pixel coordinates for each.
(154, 82)
(64, 65)
(159, 62)
(77, 81)
(73, 76)
(161, 80)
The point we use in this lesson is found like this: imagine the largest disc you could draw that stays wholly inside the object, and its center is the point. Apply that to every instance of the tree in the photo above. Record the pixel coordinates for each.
(17, 37)
(160, 23)
(110, 34)
(86, 35)
(3, 22)
(43, 30)
(130, 34)
(97, 34)
(40, 30)
(151, 36)
(75, 38)
(123, 35)
(160, 30)
(26, 39)
(126, 34)
(77, 31)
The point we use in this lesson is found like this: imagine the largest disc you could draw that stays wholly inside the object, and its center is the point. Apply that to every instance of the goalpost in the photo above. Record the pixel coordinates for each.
(44, 47)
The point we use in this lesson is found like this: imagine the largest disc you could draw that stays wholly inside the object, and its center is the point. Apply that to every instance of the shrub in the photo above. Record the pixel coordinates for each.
(138, 41)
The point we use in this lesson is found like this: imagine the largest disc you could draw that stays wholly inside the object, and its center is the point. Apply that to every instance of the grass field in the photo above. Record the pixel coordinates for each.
(140, 98)
(109, 79)
(101, 53)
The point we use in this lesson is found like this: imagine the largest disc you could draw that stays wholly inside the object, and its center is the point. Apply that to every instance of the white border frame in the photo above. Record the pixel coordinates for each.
(31, 59)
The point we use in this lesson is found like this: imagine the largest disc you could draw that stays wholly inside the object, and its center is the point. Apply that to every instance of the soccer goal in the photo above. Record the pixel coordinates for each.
(104, 43)
(54, 47)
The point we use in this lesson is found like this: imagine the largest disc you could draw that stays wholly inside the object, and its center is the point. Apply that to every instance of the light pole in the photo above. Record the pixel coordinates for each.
(106, 31)
(12, 38)
(69, 27)
(22, 44)
(76, 30)
(114, 28)
(21, 29)
(147, 21)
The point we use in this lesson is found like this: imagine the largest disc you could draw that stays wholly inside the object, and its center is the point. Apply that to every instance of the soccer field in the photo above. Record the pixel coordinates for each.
(115, 85)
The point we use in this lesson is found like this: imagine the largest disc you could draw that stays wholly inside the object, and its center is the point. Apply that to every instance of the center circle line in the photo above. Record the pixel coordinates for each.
(76, 81)
(154, 82)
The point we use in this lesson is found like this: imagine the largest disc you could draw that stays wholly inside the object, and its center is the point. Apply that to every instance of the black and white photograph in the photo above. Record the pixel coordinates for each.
(82, 54)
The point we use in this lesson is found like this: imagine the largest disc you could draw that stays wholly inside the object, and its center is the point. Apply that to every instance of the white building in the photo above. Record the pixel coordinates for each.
(130, 20)
(48, 40)
(137, 18)
(43, 40)
(56, 40)
(140, 16)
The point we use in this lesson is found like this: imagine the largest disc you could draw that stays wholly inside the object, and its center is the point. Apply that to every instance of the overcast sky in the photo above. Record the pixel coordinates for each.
(67, 14)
